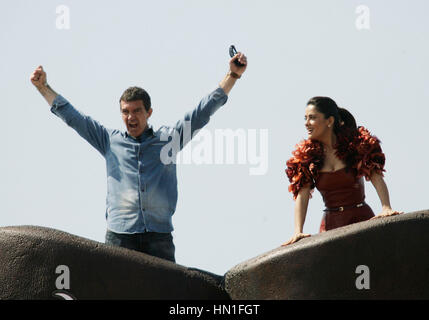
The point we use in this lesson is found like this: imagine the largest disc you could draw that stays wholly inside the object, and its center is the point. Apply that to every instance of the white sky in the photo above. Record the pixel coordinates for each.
(178, 51)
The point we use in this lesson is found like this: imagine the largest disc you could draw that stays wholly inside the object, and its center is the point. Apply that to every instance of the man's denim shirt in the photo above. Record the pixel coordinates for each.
(141, 189)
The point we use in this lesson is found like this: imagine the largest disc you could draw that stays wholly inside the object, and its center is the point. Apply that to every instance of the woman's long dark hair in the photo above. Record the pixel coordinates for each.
(345, 127)
(344, 122)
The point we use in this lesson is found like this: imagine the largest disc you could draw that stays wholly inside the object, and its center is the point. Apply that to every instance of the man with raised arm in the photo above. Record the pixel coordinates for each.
(141, 186)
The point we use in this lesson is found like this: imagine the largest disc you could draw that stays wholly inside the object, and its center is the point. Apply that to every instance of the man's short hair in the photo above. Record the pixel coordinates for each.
(134, 94)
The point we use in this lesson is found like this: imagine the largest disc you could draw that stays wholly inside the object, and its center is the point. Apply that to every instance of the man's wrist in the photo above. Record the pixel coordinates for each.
(48, 93)
(234, 75)
(43, 87)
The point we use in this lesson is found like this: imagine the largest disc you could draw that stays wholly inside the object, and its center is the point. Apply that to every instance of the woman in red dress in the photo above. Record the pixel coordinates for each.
(335, 158)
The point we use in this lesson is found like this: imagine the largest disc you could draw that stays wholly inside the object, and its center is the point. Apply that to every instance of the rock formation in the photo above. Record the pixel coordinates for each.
(384, 258)
(30, 256)
(390, 254)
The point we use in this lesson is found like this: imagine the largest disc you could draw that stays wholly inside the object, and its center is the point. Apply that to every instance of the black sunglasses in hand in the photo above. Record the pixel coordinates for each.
(233, 52)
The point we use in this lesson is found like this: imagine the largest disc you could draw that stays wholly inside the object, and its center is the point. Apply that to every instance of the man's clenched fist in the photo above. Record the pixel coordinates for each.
(38, 77)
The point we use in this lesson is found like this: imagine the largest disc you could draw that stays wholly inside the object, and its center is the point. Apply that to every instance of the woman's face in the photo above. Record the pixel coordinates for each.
(317, 126)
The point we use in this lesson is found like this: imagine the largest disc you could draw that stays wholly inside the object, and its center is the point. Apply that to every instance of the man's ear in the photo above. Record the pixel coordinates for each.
(149, 112)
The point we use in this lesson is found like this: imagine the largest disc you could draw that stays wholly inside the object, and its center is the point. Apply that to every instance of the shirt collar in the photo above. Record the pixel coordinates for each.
(147, 132)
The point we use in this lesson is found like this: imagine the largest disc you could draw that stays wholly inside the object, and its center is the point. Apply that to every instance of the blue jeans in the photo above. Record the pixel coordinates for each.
(153, 243)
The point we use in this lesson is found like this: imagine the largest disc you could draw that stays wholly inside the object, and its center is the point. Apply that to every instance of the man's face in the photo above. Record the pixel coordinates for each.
(135, 117)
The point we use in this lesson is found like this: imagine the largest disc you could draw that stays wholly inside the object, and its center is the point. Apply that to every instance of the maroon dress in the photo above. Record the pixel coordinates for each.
(344, 197)
(343, 190)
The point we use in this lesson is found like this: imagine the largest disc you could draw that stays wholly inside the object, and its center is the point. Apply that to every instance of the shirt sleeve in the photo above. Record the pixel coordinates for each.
(85, 126)
(200, 116)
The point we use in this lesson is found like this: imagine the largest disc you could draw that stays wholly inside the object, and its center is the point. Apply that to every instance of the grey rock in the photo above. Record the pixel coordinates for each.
(324, 266)
(29, 256)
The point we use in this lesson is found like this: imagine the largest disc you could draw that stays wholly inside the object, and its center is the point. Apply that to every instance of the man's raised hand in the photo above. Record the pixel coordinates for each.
(239, 70)
(38, 77)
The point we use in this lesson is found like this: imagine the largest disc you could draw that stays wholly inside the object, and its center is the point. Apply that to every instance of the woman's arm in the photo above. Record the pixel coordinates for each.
(383, 193)
(300, 211)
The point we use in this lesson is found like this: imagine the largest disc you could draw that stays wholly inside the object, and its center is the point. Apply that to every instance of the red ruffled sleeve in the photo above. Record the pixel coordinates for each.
(302, 168)
(370, 157)
(362, 152)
